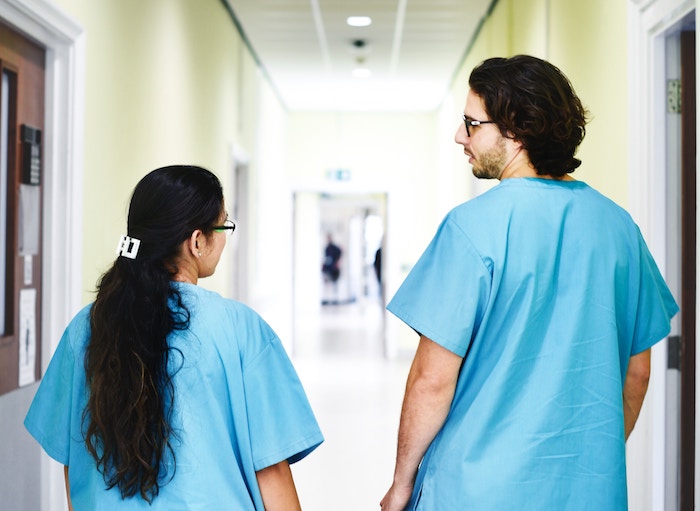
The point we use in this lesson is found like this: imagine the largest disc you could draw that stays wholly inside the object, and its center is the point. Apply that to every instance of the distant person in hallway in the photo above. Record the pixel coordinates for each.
(162, 395)
(537, 304)
(331, 260)
(330, 269)
(378, 265)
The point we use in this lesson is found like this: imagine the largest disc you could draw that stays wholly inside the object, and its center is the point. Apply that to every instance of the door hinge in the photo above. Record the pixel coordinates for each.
(673, 96)
(674, 352)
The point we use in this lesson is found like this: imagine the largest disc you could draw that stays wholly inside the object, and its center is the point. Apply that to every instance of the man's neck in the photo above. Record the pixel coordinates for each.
(520, 166)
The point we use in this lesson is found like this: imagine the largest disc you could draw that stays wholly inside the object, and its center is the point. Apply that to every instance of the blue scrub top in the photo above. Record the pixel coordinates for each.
(546, 288)
(239, 407)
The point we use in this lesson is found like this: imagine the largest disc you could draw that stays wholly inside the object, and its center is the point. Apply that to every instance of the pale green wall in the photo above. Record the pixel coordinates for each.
(165, 83)
(529, 25)
(588, 42)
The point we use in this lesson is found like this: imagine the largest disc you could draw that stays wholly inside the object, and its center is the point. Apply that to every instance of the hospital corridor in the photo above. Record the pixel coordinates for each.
(356, 394)
(339, 134)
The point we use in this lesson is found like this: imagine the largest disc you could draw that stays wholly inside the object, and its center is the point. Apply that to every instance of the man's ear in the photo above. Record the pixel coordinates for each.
(511, 136)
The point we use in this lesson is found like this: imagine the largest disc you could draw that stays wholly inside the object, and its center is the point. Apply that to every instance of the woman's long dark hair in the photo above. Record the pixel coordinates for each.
(127, 423)
(533, 102)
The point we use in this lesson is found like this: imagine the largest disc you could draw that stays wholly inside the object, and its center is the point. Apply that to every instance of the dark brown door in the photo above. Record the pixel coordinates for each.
(22, 67)
(688, 271)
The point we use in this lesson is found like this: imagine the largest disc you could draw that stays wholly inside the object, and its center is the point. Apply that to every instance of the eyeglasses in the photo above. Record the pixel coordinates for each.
(229, 226)
(471, 122)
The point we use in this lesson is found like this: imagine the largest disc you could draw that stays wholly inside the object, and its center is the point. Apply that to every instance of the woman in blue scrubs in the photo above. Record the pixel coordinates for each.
(165, 396)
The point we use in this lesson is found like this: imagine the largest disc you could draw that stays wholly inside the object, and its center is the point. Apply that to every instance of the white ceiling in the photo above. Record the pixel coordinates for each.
(413, 49)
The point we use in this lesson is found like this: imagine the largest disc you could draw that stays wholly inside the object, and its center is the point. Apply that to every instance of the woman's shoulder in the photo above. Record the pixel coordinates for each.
(77, 331)
(215, 299)
(211, 304)
(81, 320)
(227, 320)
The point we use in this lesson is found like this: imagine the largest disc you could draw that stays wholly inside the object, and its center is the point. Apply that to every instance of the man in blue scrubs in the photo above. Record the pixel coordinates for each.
(537, 304)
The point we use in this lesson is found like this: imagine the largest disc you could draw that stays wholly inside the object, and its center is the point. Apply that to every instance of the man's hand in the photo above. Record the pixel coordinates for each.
(396, 498)
(430, 388)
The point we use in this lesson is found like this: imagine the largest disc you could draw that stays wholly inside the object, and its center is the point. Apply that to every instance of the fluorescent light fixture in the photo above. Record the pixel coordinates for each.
(359, 21)
(361, 72)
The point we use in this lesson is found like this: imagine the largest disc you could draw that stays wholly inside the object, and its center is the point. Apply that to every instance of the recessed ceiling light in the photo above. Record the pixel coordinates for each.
(359, 21)
(361, 72)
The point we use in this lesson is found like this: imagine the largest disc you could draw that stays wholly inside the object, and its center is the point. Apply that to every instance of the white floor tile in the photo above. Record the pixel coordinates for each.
(356, 394)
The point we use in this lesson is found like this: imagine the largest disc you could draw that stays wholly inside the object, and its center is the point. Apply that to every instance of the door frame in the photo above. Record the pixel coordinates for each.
(239, 208)
(648, 23)
(301, 277)
(62, 233)
(688, 264)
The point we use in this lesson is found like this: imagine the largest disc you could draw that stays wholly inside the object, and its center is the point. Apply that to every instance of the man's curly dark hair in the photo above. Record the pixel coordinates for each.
(533, 102)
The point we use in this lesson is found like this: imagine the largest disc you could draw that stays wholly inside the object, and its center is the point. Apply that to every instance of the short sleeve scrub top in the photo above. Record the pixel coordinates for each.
(546, 288)
(239, 407)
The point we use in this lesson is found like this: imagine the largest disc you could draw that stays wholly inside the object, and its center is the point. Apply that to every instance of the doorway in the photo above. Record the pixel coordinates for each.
(681, 180)
(661, 464)
(341, 312)
(239, 211)
(22, 67)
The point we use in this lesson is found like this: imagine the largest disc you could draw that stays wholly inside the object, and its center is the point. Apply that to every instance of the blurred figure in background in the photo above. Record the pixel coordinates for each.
(330, 269)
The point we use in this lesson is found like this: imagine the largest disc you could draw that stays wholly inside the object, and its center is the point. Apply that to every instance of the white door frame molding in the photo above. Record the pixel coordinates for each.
(648, 22)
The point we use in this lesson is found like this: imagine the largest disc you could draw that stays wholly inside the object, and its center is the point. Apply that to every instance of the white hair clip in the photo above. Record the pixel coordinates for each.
(128, 247)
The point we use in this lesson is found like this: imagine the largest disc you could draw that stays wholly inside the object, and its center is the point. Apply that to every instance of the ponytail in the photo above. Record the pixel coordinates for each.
(128, 427)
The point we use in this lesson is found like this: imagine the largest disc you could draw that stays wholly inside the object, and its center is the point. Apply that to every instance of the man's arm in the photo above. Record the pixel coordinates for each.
(429, 391)
(277, 488)
(636, 383)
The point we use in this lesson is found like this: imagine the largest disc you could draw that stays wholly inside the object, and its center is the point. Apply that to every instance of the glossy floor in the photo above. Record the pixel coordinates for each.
(356, 394)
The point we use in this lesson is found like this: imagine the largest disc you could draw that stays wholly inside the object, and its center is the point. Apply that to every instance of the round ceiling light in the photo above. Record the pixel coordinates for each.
(359, 21)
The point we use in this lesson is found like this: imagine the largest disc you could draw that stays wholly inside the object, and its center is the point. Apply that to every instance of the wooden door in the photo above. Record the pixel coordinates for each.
(22, 69)
(688, 272)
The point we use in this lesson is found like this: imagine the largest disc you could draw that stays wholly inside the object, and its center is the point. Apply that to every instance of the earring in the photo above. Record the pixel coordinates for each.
(199, 254)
